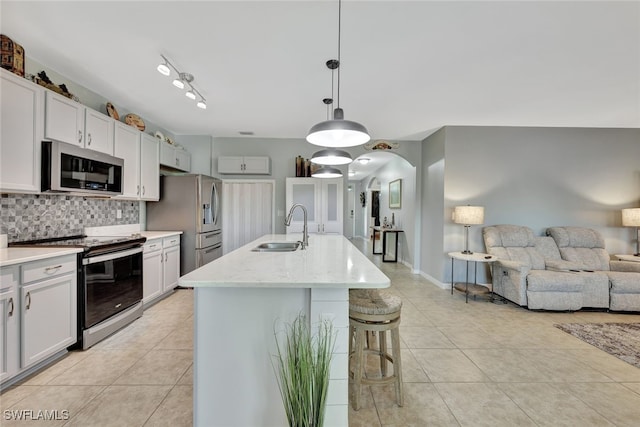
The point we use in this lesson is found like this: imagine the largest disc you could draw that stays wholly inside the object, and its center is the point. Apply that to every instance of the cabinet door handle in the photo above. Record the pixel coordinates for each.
(143, 190)
(323, 228)
(10, 307)
(166, 257)
(318, 228)
(88, 139)
(138, 190)
(53, 268)
(28, 300)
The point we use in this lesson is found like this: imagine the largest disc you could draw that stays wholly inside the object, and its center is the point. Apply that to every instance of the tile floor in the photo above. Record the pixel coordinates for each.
(471, 364)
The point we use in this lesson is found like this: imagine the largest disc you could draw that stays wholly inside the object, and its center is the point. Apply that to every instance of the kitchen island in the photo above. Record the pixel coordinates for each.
(243, 298)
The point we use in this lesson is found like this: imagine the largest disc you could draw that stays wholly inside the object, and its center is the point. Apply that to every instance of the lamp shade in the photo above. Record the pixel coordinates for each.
(338, 132)
(331, 156)
(631, 217)
(468, 215)
(327, 172)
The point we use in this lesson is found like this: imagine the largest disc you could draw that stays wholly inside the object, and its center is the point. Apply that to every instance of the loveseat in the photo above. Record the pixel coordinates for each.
(566, 270)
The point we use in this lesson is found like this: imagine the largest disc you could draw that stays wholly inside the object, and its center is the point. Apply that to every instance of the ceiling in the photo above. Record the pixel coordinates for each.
(407, 69)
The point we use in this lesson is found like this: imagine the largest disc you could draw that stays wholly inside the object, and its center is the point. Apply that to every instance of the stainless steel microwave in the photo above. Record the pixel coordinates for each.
(68, 168)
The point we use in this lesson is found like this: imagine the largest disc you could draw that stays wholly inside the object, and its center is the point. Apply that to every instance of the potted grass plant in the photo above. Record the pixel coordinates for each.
(302, 368)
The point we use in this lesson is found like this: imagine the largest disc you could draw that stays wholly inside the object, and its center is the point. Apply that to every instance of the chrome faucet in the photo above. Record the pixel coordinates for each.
(305, 234)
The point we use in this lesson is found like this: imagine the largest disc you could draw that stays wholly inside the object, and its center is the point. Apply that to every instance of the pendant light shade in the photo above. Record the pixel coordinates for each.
(327, 172)
(331, 156)
(338, 132)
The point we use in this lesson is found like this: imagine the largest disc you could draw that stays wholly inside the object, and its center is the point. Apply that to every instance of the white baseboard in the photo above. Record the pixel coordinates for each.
(435, 281)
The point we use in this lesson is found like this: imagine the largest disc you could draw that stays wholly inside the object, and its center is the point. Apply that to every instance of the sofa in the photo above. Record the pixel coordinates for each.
(584, 248)
(568, 269)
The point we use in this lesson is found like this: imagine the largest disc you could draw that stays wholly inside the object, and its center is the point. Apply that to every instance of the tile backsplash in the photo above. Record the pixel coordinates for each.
(39, 216)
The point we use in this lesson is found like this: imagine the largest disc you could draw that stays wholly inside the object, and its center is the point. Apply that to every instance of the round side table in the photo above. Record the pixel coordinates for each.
(467, 287)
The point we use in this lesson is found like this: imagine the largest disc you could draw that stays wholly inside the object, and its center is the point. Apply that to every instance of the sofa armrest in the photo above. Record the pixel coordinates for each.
(629, 266)
(516, 266)
(562, 265)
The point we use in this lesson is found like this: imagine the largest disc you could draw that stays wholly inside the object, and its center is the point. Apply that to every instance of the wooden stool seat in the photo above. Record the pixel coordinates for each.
(372, 310)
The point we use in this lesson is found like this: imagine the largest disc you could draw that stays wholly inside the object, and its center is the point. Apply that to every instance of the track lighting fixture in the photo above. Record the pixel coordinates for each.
(181, 81)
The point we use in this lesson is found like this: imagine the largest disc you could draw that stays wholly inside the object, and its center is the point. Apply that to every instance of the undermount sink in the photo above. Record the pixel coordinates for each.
(277, 247)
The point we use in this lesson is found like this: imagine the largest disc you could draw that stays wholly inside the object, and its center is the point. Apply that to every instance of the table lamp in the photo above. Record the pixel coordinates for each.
(468, 216)
(631, 218)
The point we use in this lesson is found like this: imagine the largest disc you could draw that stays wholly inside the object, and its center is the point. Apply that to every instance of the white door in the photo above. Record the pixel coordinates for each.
(247, 212)
(127, 147)
(307, 192)
(152, 283)
(99, 132)
(48, 317)
(171, 267)
(150, 167)
(64, 119)
(21, 133)
(331, 206)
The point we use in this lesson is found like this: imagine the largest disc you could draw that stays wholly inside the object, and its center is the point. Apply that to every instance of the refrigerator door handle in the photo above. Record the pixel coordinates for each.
(216, 204)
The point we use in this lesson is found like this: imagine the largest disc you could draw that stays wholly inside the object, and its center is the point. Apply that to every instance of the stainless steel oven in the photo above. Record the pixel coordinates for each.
(109, 283)
(112, 285)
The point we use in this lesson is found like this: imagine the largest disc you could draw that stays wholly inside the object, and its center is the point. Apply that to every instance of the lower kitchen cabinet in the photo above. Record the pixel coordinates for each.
(38, 312)
(152, 282)
(161, 266)
(171, 251)
(9, 354)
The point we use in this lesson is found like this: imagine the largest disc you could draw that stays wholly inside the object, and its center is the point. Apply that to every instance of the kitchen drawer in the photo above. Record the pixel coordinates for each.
(168, 242)
(206, 240)
(152, 245)
(8, 278)
(47, 268)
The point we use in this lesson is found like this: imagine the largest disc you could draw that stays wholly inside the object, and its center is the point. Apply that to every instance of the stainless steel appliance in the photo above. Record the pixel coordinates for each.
(68, 168)
(109, 283)
(190, 203)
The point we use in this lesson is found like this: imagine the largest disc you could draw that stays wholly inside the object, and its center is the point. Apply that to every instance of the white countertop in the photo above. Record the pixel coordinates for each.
(10, 256)
(158, 234)
(330, 261)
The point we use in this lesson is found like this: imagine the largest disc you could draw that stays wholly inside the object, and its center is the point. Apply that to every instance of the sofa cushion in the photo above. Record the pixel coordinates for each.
(547, 248)
(559, 281)
(623, 282)
(581, 245)
(514, 243)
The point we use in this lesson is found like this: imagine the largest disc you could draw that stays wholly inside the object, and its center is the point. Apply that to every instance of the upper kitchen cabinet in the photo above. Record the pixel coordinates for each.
(149, 167)
(127, 147)
(21, 133)
(71, 122)
(175, 158)
(322, 198)
(253, 165)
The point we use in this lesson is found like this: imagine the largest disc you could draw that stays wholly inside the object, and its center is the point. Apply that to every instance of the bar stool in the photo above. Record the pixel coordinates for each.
(371, 310)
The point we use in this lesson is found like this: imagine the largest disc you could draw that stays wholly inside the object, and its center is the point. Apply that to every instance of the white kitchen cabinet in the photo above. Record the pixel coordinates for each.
(48, 308)
(9, 354)
(323, 200)
(171, 266)
(174, 158)
(153, 282)
(21, 133)
(71, 122)
(149, 167)
(127, 147)
(247, 165)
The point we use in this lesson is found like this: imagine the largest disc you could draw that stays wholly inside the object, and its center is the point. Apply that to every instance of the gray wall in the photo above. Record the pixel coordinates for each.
(537, 177)
(201, 149)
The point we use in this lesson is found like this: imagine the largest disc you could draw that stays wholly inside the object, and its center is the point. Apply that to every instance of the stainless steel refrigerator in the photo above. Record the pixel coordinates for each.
(190, 203)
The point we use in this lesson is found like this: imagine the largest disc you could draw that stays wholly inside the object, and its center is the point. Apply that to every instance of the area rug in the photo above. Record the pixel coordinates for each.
(619, 339)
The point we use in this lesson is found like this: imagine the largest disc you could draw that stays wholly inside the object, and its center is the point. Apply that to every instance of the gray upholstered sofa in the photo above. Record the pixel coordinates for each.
(584, 248)
(544, 273)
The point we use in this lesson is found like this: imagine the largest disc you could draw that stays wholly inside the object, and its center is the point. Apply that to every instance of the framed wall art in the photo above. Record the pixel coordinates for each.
(395, 194)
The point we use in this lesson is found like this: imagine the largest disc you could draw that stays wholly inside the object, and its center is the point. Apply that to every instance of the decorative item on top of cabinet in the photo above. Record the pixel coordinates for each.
(254, 165)
(112, 112)
(135, 121)
(12, 55)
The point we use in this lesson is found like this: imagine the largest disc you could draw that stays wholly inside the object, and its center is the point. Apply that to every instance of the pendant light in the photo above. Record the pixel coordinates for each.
(338, 132)
(327, 172)
(331, 156)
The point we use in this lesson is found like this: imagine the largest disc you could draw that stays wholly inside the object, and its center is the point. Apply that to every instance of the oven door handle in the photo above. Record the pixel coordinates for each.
(111, 255)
